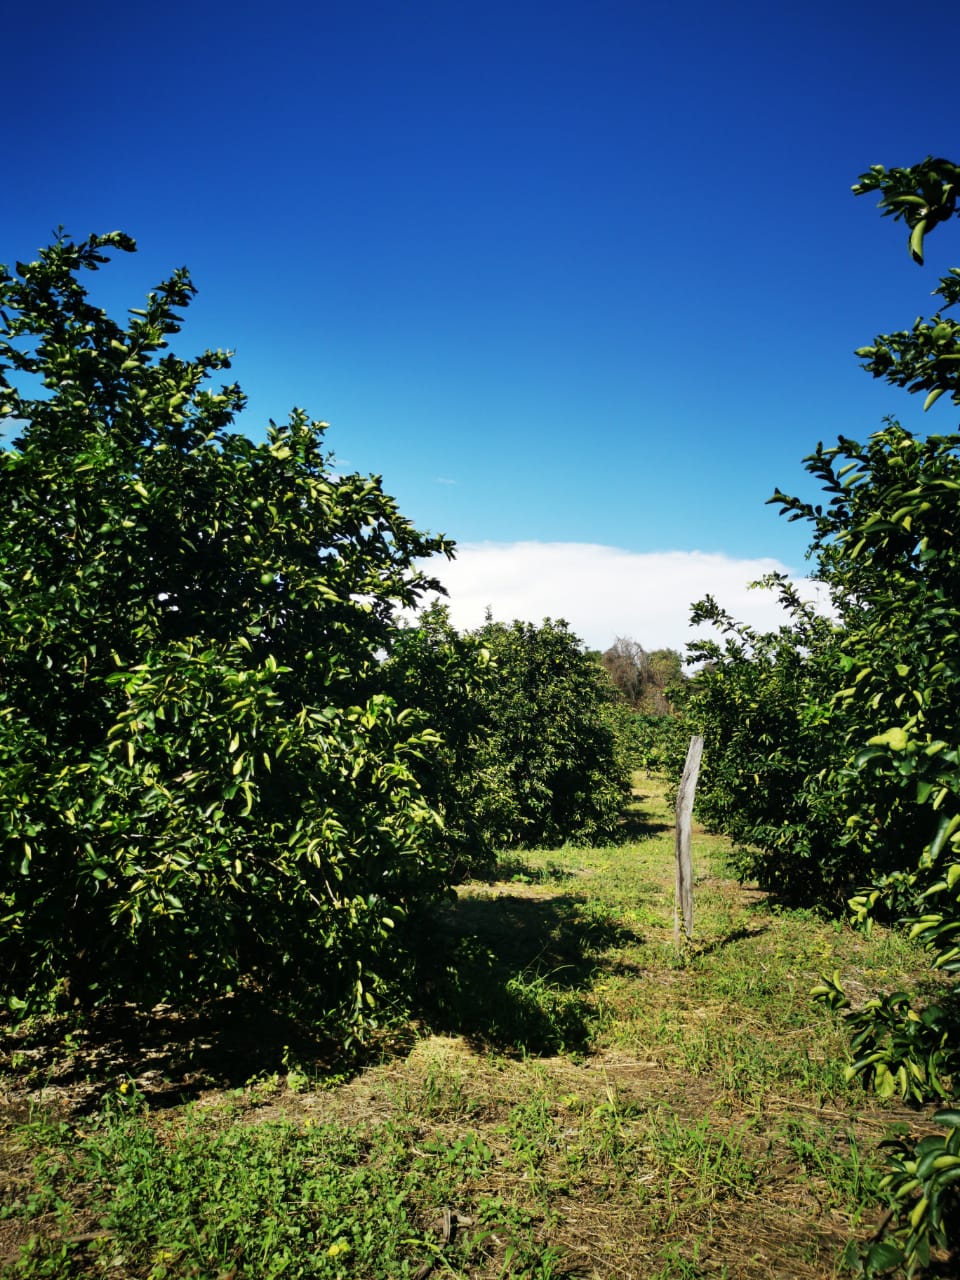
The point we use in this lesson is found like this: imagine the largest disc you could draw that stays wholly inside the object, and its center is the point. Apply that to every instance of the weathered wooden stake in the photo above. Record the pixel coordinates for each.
(683, 906)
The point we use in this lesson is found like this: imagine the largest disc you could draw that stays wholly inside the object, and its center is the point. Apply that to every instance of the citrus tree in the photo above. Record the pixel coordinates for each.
(554, 753)
(887, 541)
(202, 780)
(534, 747)
(762, 702)
(446, 672)
(861, 721)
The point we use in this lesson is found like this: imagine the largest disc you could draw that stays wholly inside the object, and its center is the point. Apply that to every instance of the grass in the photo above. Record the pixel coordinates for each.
(577, 1099)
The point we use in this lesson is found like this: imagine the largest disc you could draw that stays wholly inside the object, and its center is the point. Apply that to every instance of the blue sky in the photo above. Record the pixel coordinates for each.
(572, 275)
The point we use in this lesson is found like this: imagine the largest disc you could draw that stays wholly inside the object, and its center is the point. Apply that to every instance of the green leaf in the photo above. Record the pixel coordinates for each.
(896, 739)
(916, 240)
(883, 1256)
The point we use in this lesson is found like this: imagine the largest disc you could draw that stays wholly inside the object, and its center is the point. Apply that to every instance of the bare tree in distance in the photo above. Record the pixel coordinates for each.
(625, 662)
(643, 678)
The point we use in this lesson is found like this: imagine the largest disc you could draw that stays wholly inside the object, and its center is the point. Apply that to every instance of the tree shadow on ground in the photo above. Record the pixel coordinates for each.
(507, 971)
(514, 867)
(736, 935)
(72, 1061)
(512, 972)
(638, 822)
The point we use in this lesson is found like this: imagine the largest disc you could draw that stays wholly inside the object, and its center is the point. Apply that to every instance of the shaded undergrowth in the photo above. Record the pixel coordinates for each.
(518, 971)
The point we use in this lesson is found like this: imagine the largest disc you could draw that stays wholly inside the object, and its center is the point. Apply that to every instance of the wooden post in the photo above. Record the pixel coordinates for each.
(683, 906)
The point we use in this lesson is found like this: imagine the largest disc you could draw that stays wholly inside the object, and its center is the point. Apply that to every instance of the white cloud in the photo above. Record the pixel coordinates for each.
(605, 592)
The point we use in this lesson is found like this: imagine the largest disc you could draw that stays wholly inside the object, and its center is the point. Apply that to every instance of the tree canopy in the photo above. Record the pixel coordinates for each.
(533, 751)
(833, 745)
(201, 779)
